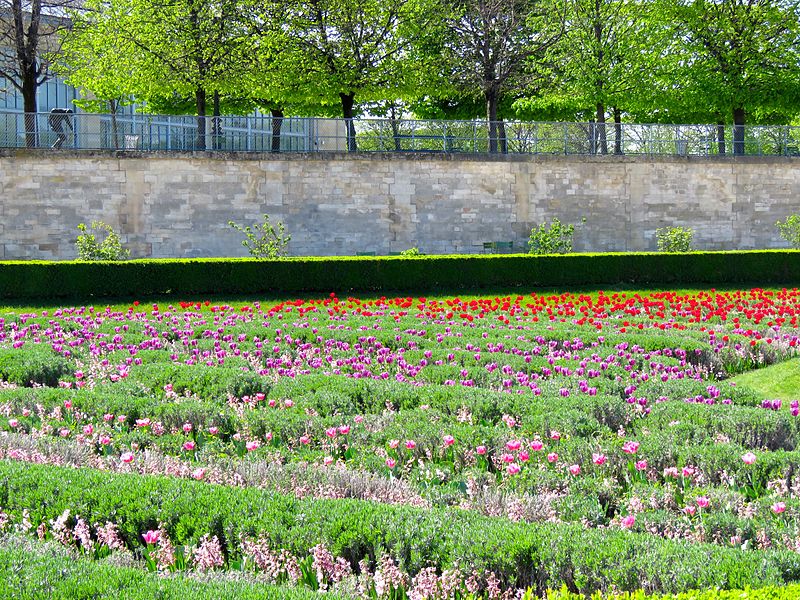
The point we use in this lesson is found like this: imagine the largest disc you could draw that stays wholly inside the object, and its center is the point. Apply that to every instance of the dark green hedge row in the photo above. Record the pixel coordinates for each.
(541, 556)
(137, 278)
(33, 571)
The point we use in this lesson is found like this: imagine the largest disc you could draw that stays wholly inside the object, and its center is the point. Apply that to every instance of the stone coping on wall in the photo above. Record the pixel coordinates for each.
(384, 156)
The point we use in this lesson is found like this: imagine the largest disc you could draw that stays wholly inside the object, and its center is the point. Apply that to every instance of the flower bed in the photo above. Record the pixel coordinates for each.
(568, 429)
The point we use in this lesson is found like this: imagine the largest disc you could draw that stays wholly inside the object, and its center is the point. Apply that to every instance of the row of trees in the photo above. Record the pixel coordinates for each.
(720, 61)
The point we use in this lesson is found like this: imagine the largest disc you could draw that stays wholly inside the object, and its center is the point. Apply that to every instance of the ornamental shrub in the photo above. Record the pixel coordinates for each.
(555, 239)
(262, 240)
(90, 249)
(790, 230)
(674, 239)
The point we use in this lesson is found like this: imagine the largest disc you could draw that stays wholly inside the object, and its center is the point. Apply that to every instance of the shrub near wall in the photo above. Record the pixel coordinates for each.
(37, 279)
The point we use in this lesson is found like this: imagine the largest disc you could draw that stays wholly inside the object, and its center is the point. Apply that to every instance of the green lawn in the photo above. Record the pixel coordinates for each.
(777, 381)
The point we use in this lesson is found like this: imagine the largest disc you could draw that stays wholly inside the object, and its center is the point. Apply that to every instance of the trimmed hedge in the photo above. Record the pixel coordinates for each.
(541, 556)
(138, 278)
(35, 571)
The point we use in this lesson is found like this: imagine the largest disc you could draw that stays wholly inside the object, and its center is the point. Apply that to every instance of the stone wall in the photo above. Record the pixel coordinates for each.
(336, 204)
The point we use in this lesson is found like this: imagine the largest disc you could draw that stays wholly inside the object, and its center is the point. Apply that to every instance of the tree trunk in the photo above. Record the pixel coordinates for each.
(112, 105)
(501, 132)
(398, 146)
(492, 101)
(216, 124)
(200, 99)
(721, 137)
(29, 104)
(600, 129)
(738, 131)
(347, 112)
(277, 124)
(617, 131)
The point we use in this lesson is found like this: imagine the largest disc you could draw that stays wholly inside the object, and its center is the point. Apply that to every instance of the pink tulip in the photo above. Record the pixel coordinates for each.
(213, 430)
(689, 510)
(641, 465)
(688, 471)
(513, 445)
(13, 423)
(671, 472)
(599, 459)
(481, 450)
(105, 440)
(555, 435)
(630, 447)
(410, 444)
(552, 457)
(702, 501)
(288, 403)
(507, 457)
(628, 521)
(448, 440)
(523, 456)
(393, 444)
(189, 446)
(778, 507)
(749, 458)
(575, 469)
(151, 537)
(327, 461)
(251, 445)
(390, 462)
(344, 429)
(88, 429)
(331, 432)
(142, 422)
(108, 417)
(187, 428)
(513, 469)
(358, 419)
(198, 474)
(536, 445)
(305, 440)
(126, 457)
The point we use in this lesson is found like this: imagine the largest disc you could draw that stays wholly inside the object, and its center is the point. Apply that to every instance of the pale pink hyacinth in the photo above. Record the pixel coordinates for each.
(599, 459)
(126, 457)
(208, 554)
(778, 507)
(749, 458)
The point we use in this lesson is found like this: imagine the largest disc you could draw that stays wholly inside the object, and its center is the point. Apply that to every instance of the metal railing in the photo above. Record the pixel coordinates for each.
(140, 132)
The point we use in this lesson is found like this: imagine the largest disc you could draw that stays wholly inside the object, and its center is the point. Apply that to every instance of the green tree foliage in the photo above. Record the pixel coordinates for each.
(335, 51)
(153, 49)
(730, 61)
(263, 240)
(601, 64)
(674, 239)
(494, 47)
(790, 230)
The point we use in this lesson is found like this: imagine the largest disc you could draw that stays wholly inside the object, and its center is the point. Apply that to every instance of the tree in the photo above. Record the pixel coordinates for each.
(29, 38)
(338, 50)
(492, 47)
(602, 62)
(736, 57)
(182, 48)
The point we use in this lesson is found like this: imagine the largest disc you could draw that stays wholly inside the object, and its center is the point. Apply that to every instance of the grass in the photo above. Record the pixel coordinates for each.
(780, 381)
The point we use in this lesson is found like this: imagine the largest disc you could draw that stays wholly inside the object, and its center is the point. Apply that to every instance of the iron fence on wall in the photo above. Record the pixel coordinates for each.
(140, 132)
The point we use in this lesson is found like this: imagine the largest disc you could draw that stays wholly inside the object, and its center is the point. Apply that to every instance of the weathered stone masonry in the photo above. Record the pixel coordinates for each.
(168, 205)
